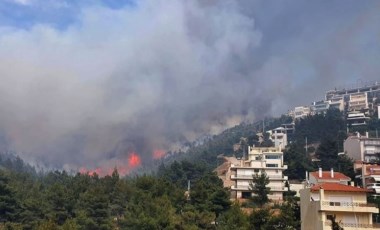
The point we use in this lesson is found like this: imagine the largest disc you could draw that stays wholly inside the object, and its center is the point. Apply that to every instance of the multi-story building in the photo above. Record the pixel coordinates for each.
(362, 148)
(300, 112)
(337, 103)
(358, 102)
(319, 107)
(368, 175)
(279, 137)
(289, 128)
(358, 98)
(259, 160)
(321, 202)
(356, 119)
(320, 176)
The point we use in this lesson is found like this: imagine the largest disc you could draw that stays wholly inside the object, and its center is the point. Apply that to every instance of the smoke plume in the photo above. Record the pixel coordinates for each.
(145, 78)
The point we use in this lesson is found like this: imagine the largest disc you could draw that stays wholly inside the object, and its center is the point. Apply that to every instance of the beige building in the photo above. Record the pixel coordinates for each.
(269, 160)
(348, 203)
(358, 101)
(301, 112)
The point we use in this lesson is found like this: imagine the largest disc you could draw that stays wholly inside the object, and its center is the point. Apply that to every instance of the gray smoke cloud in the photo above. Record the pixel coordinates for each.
(160, 73)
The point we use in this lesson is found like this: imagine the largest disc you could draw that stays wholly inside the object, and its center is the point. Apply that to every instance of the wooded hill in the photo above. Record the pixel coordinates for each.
(58, 200)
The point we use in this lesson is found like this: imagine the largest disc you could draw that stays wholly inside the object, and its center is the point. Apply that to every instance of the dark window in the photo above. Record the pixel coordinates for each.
(246, 195)
(272, 157)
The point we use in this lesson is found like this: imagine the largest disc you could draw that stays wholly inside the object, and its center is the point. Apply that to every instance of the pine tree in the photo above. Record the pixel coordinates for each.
(259, 187)
(8, 203)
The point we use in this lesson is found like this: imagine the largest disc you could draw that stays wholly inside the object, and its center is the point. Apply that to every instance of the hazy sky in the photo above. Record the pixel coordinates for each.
(85, 83)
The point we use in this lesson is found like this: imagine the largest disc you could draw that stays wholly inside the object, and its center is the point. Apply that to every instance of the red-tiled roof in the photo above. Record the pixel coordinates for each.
(335, 187)
(327, 175)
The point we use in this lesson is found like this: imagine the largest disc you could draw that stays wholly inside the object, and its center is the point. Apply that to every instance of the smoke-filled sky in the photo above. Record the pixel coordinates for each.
(88, 83)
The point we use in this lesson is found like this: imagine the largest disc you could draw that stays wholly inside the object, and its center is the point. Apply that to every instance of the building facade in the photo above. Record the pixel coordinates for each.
(362, 148)
(348, 204)
(301, 112)
(319, 107)
(357, 119)
(362, 98)
(259, 160)
(358, 102)
(279, 137)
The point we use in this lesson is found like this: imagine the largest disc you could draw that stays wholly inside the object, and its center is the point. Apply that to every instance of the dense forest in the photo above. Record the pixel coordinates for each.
(57, 200)
(183, 193)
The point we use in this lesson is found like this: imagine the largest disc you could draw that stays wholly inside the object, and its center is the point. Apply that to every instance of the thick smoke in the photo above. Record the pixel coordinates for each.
(148, 77)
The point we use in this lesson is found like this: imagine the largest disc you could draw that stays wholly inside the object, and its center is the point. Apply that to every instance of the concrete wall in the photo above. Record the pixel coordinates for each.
(352, 148)
(311, 219)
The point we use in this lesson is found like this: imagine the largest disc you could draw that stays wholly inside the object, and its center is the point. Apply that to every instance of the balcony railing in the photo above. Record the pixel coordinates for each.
(346, 204)
(242, 187)
(354, 225)
(281, 177)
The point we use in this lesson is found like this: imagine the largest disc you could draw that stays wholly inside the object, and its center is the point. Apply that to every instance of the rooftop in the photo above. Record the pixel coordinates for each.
(335, 187)
(326, 175)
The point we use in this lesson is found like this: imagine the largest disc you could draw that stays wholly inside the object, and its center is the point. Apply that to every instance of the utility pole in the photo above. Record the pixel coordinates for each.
(306, 145)
(263, 126)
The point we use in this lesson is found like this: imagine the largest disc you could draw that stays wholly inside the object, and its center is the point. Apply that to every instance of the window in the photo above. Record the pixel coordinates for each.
(332, 203)
(256, 170)
(272, 165)
(246, 195)
(272, 157)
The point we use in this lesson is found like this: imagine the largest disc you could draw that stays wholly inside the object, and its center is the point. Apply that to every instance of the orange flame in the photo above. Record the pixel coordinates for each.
(92, 172)
(125, 168)
(134, 160)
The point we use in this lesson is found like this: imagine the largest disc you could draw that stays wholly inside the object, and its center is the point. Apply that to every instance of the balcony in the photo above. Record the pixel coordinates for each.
(278, 189)
(240, 187)
(347, 206)
(248, 177)
(352, 226)
(246, 188)
(370, 152)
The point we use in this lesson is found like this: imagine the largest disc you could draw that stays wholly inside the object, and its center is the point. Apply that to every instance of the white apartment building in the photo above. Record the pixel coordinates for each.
(279, 137)
(319, 107)
(362, 148)
(337, 103)
(301, 112)
(357, 98)
(357, 119)
(269, 160)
